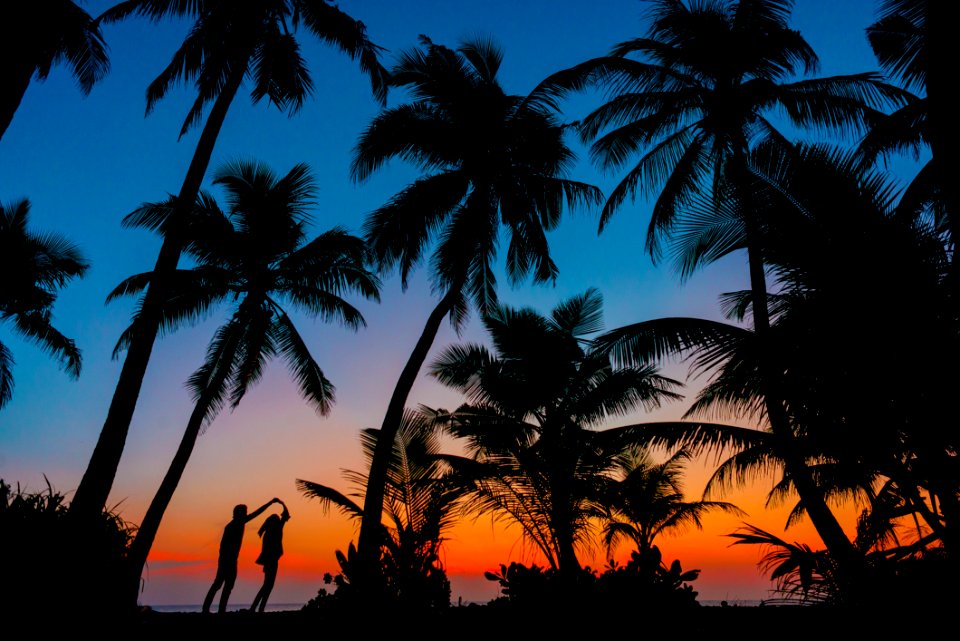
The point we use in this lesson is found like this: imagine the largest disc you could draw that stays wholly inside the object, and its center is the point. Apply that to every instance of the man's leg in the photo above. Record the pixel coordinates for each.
(217, 582)
(230, 577)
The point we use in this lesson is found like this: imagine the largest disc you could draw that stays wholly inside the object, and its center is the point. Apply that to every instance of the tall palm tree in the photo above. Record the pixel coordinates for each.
(38, 34)
(490, 161)
(531, 417)
(840, 255)
(420, 499)
(256, 255)
(229, 41)
(646, 500)
(34, 267)
(692, 106)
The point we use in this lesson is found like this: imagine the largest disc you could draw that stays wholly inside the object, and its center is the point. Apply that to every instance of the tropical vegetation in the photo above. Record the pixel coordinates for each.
(257, 256)
(41, 34)
(229, 41)
(491, 162)
(420, 498)
(34, 266)
(533, 406)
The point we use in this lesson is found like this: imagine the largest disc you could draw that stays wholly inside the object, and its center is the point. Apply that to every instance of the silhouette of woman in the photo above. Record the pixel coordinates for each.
(272, 534)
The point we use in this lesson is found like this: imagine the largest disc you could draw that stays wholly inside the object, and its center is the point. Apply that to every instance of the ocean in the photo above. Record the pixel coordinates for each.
(282, 607)
(271, 607)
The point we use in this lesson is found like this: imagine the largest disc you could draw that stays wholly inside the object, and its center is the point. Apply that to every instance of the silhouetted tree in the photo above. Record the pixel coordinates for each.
(646, 500)
(839, 254)
(228, 42)
(419, 499)
(530, 422)
(36, 35)
(490, 161)
(692, 105)
(914, 42)
(257, 257)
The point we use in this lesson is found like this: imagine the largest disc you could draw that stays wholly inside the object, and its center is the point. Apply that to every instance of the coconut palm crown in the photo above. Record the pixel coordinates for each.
(37, 35)
(534, 406)
(34, 267)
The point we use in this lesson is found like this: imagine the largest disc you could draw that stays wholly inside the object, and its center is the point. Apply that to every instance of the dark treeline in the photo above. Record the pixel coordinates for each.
(841, 351)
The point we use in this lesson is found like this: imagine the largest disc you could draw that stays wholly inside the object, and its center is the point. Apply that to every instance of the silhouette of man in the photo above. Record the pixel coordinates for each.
(230, 552)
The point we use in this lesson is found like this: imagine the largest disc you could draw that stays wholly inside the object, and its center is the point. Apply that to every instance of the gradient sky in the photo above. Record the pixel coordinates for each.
(86, 162)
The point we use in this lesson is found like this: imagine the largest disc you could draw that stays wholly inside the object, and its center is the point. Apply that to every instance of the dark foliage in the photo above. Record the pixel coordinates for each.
(644, 581)
(36, 534)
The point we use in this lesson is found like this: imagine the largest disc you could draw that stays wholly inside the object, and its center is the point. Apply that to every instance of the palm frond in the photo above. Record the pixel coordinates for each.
(314, 386)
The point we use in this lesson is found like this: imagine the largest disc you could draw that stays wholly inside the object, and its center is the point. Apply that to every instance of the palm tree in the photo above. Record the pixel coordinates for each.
(38, 34)
(229, 41)
(490, 160)
(420, 499)
(914, 42)
(840, 256)
(646, 500)
(530, 421)
(256, 256)
(693, 106)
(34, 267)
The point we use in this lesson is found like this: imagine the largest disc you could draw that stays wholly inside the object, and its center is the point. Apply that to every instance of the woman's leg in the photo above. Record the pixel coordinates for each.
(269, 578)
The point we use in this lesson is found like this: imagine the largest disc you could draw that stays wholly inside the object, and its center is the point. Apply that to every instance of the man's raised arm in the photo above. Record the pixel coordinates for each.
(257, 512)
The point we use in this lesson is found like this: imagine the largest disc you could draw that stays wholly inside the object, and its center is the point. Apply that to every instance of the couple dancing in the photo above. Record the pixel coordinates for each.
(272, 549)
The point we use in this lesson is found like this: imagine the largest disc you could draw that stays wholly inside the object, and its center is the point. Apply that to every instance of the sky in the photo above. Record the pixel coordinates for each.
(85, 162)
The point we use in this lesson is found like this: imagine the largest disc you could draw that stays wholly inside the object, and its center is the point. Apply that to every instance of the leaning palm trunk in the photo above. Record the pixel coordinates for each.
(94, 489)
(147, 532)
(12, 95)
(369, 540)
(824, 521)
(567, 561)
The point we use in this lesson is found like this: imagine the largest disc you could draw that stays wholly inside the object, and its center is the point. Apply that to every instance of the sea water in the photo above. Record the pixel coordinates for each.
(271, 607)
(283, 607)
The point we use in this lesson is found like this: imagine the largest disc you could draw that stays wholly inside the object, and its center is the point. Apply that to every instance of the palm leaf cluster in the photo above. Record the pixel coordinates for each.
(254, 39)
(34, 266)
(36, 36)
(490, 161)
(534, 404)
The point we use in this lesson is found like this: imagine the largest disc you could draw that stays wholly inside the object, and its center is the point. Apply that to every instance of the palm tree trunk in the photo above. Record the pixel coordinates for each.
(569, 564)
(94, 489)
(147, 532)
(15, 86)
(368, 544)
(823, 519)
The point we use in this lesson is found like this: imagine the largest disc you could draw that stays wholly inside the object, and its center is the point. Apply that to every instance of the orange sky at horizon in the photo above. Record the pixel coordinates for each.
(183, 561)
